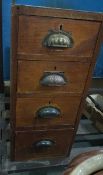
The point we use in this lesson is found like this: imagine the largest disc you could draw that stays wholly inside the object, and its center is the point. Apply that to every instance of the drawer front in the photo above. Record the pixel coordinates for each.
(46, 111)
(45, 35)
(42, 144)
(44, 76)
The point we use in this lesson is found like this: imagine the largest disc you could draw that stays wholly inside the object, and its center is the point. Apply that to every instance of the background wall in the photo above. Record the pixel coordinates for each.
(88, 5)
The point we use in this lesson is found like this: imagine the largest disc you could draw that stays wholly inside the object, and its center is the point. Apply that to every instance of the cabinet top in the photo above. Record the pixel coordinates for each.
(56, 12)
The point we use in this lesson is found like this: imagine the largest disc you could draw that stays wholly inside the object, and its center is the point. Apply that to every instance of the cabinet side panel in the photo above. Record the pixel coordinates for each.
(13, 74)
(89, 77)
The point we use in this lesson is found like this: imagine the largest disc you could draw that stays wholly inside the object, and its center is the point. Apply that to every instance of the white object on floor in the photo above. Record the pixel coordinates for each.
(89, 166)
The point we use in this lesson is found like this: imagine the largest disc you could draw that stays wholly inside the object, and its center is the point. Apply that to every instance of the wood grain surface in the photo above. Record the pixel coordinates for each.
(31, 72)
(25, 143)
(30, 60)
(26, 111)
(33, 30)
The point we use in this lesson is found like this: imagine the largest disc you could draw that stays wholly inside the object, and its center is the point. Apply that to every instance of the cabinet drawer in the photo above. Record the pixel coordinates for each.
(46, 111)
(52, 76)
(48, 35)
(42, 143)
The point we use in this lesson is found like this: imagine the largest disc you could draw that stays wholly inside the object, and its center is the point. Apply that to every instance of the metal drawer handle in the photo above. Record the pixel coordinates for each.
(58, 39)
(44, 144)
(53, 79)
(48, 112)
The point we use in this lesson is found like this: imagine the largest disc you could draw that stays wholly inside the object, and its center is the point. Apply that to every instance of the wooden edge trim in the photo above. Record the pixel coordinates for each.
(57, 12)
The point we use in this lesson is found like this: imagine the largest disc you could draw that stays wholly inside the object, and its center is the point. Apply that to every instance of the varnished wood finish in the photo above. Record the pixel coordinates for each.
(89, 77)
(26, 111)
(50, 57)
(13, 76)
(60, 13)
(33, 30)
(30, 59)
(25, 143)
(30, 73)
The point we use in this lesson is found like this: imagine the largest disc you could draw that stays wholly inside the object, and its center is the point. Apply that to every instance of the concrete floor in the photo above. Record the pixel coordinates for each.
(58, 171)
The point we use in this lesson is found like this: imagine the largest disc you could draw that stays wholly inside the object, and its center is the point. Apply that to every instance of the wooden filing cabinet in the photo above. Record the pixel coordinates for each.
(53, 55)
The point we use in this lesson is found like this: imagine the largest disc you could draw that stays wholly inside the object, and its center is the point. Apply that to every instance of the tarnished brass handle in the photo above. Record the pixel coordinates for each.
(53, 78)
(44, 144)
(48, 112)
(58, 39)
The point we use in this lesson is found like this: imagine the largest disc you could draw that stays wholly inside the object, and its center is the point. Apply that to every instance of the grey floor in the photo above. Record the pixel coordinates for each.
(58, 171)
